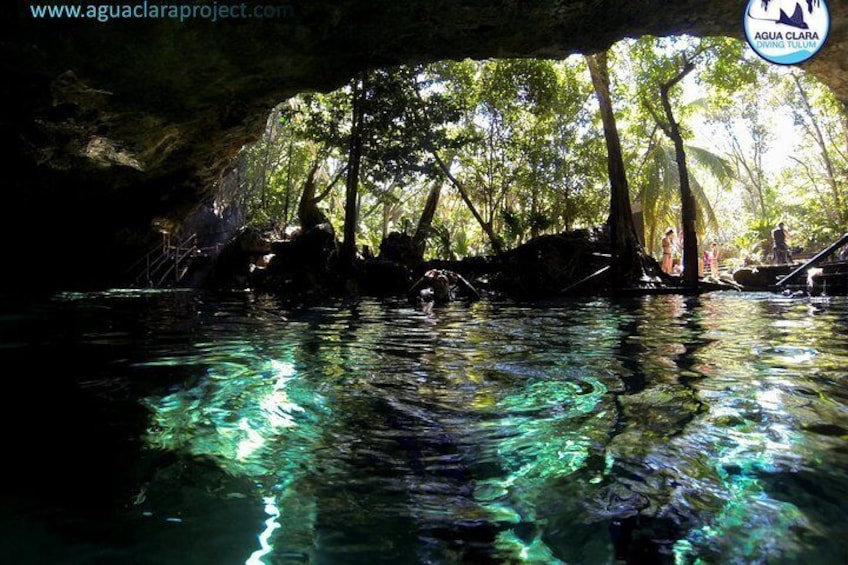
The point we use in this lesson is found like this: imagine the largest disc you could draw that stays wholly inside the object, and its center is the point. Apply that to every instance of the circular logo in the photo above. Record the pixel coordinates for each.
(786, 32)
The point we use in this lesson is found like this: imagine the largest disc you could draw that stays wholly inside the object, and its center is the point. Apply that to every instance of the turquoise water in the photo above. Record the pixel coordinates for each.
(179, 427)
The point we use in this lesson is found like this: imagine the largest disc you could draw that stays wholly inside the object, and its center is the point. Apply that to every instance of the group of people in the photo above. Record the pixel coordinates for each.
(670, 247)
(780, 253)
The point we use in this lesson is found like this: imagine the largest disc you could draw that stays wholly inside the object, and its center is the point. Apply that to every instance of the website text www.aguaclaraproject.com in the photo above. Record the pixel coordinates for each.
(158, 10)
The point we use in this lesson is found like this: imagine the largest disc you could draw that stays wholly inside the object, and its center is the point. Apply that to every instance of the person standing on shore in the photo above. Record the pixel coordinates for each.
(667, 251)
(711, 260)
(781, 251)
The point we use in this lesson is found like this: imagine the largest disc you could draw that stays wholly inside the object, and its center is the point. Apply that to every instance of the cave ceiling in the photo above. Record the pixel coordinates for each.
(127, 103)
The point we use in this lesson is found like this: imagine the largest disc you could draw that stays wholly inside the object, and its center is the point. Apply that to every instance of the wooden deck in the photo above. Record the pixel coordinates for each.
(828, 278)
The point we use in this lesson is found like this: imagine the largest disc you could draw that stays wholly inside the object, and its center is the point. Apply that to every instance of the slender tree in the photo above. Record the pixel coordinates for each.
(358, 96)
(308, 213)
(660, 76)
(687, 200)
(806, 117)
(626, 250)
(659, 186)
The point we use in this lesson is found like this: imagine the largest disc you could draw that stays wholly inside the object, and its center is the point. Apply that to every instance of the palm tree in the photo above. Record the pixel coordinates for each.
(659, 192)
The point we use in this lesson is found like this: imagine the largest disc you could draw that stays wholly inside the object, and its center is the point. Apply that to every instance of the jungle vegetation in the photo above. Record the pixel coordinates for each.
(476, 157)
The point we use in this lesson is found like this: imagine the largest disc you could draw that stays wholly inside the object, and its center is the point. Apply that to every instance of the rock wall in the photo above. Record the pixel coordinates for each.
(109, 124)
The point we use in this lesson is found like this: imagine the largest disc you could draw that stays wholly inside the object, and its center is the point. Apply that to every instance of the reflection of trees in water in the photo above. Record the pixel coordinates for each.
(765, 390)
(697, 445)
(483, 422)
(626, 505)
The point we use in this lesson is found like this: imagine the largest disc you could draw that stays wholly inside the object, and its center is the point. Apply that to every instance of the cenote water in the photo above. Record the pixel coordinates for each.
(185, 428)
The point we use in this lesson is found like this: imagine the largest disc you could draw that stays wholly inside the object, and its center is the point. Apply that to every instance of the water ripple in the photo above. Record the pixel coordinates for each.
(703, 429)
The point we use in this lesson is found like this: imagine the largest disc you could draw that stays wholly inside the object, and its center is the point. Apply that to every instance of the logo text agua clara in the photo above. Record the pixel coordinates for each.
(786, 32)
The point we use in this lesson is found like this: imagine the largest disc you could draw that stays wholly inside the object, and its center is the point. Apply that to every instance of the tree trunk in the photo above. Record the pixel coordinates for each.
(419, 240)
(287, 207)
(348, 250)
(497, 244)
(626, 251)
(308, 213)
(825, 154)
(639, 221)
(687, 200)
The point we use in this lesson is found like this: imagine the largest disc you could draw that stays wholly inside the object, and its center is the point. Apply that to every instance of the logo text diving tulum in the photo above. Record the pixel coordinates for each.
(786, 32)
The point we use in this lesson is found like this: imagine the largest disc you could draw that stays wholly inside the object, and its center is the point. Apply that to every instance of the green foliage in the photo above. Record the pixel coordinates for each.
(816, 190)
(524, 139)
(269, 173)
(530, 151)
(656, 181)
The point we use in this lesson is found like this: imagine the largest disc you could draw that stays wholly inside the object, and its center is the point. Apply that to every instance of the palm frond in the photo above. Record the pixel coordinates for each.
(706, 217)
(720, 168)
(660, 188)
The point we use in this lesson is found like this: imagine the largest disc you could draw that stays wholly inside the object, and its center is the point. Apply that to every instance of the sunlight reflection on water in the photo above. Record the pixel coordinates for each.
(678, 429)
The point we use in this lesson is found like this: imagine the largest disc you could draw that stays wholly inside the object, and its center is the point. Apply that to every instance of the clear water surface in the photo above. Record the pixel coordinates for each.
(180, 427)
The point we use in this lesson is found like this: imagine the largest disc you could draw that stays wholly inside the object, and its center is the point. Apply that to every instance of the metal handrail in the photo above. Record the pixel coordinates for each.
(816, 259)
(167, 257)
(179, 254)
